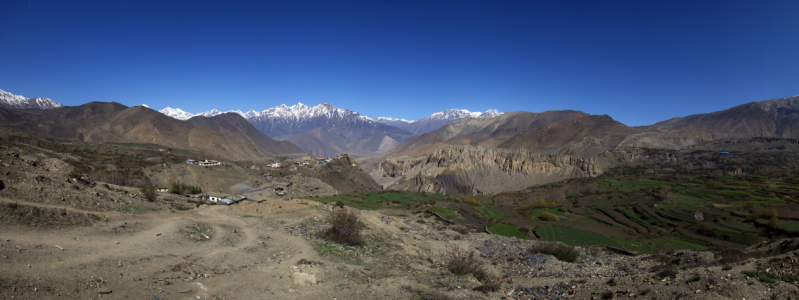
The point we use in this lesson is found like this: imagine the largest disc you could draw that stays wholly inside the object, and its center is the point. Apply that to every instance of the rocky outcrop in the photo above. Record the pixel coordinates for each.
(486, 170)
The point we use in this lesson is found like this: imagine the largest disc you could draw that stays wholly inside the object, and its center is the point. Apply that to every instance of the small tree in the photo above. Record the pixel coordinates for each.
(773, 222)
(149, 193)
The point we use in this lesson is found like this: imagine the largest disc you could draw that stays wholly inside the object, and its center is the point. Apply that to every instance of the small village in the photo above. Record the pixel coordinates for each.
(280, 189)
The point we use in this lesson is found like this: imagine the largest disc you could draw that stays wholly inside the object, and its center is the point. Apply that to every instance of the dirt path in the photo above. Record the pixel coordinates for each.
(139, 256)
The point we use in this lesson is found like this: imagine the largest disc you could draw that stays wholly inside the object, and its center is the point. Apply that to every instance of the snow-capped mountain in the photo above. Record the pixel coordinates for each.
(457, 114)
(176, 113)
(386, 119)
(9, 100)
(323, 130)
(437, 120)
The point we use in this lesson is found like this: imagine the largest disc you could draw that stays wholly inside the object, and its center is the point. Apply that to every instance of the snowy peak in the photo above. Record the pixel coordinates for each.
(436, 120)
(9, 100)
(209, 113)
(490, 114)
(457, 114)
(386, 120)
(176, 113)
(302, 112)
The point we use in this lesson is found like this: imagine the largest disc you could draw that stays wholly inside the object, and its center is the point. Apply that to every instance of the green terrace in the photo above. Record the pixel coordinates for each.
(638, 214)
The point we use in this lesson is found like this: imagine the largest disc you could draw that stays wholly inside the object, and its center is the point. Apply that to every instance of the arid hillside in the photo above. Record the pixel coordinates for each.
(769, 118)
(487, 131)
(223, 137)
(592, 135)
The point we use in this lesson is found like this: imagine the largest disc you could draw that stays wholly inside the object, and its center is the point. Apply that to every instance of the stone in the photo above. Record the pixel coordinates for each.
(301, 278)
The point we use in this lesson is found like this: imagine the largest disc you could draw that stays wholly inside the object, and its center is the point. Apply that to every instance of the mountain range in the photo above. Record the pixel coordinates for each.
(226, 136)
(470, 153)
(11, 101)
(324, 130)
(506, 150)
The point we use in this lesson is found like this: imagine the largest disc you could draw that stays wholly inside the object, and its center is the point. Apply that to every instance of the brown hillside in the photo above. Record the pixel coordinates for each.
(595, 133)
(589, 136)
(235, 124)
(770, 118)
(113, 122)
(489, 131)
(318, 143)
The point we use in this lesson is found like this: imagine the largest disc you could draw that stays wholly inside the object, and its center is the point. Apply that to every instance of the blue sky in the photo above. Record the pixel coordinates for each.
(638, 61)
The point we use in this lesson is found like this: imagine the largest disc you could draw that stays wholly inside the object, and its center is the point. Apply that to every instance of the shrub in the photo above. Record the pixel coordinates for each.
(538, 204)
(607, 295)
(664, 271)
(466, 264)
(460, 229)
(178, 188)
(345, 228)
(773, 222)
(548, 216)
(492, 285)
(560, 251)
(694, 279)
(75, 173)
(149, 193)
(761, 213)
(706, 230)
(612, 282)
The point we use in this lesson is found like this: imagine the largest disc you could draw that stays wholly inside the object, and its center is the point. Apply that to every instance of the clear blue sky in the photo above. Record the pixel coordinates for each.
(638, 61)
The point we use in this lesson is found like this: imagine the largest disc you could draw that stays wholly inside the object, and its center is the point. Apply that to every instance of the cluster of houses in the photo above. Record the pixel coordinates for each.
(204, 163)
(306, 162)
(217, 198)
(223, 199)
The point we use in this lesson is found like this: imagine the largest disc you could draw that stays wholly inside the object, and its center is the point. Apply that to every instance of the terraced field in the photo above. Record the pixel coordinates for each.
(639, 214)
(575, 237)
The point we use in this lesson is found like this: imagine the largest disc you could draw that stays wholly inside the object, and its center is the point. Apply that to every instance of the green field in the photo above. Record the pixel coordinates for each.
(575, 237)
(386, 199)
(674, 199)
(507, 230)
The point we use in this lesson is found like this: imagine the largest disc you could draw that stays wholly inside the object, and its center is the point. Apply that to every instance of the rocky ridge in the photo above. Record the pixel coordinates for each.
(486, 170)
